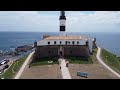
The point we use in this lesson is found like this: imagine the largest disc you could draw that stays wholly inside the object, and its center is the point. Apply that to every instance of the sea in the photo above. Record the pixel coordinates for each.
(107, 40)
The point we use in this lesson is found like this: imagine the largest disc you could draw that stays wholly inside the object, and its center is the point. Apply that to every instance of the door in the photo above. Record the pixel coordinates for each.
(61, 51)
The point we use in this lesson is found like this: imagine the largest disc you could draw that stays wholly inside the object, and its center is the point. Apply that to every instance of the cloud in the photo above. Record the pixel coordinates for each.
(100, 20)
(26, 21)
(77, 21)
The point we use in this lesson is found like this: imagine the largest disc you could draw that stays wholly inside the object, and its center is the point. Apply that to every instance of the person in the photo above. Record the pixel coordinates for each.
(60, 67)
(67, 62)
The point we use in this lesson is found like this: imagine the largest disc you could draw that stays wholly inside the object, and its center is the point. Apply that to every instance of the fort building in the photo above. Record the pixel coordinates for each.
(64, 45)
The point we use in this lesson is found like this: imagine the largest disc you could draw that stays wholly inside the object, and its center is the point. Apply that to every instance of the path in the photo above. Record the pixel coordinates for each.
(24, 65)
(101, 61)
(64, 70)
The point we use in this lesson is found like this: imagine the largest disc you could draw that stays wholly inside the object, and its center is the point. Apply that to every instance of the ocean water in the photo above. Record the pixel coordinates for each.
(8, 40)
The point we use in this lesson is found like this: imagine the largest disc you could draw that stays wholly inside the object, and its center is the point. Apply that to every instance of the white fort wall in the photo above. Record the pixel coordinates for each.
(63, 42)
(90, 44)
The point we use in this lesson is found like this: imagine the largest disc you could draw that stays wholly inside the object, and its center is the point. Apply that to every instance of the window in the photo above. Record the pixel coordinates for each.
(54, 42)
(69, 42)
(77, 42)
(66, 42)
(48, 42)
(73, 42)
(60, 42)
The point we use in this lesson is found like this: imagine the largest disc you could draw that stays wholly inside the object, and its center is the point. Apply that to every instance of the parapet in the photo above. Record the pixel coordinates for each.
(45, 36)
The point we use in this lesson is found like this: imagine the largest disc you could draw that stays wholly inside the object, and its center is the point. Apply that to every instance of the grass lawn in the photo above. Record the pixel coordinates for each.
(79, 60)
(9, 74)
(93, 56)
(19, 63)
(44, 61)
(111, 60)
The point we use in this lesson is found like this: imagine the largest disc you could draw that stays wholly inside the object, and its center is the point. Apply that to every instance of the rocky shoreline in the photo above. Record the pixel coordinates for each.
(24, 48)
(16, 51)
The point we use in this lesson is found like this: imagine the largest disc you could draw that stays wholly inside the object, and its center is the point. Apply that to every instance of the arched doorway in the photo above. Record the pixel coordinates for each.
(61, 52)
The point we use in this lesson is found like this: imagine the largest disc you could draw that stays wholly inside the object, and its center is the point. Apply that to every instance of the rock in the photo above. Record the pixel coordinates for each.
(24, 48)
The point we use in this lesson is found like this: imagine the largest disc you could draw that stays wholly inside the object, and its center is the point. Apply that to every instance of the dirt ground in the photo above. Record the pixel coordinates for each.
(95, 71)
(42, 72)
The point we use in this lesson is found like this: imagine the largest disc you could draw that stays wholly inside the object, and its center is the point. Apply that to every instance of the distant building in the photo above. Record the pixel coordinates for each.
(64, 45)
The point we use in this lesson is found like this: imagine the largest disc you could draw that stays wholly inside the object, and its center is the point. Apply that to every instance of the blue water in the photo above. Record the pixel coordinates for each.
(109, 41)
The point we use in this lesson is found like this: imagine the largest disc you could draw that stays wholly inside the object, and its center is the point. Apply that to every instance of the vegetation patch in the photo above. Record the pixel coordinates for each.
(79, 60)
(10, 73)
(93, 56)
(45, 61)
(111, 60)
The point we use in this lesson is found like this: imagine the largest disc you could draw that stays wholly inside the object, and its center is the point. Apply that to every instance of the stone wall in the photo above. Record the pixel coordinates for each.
(45, 36)
(52, 51)
(46, 51)
(78, 51)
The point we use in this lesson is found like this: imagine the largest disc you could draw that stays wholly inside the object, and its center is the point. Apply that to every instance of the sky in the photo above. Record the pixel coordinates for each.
(48, 21)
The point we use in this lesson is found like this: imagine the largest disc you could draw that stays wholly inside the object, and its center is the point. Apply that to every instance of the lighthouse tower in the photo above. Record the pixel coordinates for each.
(62, 23)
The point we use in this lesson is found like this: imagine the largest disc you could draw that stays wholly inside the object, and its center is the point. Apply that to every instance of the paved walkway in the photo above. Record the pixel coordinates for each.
(101, 61)
(23, 66)
(64, 69)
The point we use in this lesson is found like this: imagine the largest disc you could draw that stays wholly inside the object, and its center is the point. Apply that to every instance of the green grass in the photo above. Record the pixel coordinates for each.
(79, 60)
(111, 60)
(19, 63)
(9, 74)
(93, 56)
(44, 61)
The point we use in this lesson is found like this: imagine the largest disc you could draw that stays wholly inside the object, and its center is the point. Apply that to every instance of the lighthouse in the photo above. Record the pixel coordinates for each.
(62, 23)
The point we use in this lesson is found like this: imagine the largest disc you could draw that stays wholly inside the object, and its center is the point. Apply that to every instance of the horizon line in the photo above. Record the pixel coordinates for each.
(66, 31)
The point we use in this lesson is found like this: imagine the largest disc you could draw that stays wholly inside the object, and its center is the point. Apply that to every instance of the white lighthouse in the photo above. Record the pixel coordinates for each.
(62, 23)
